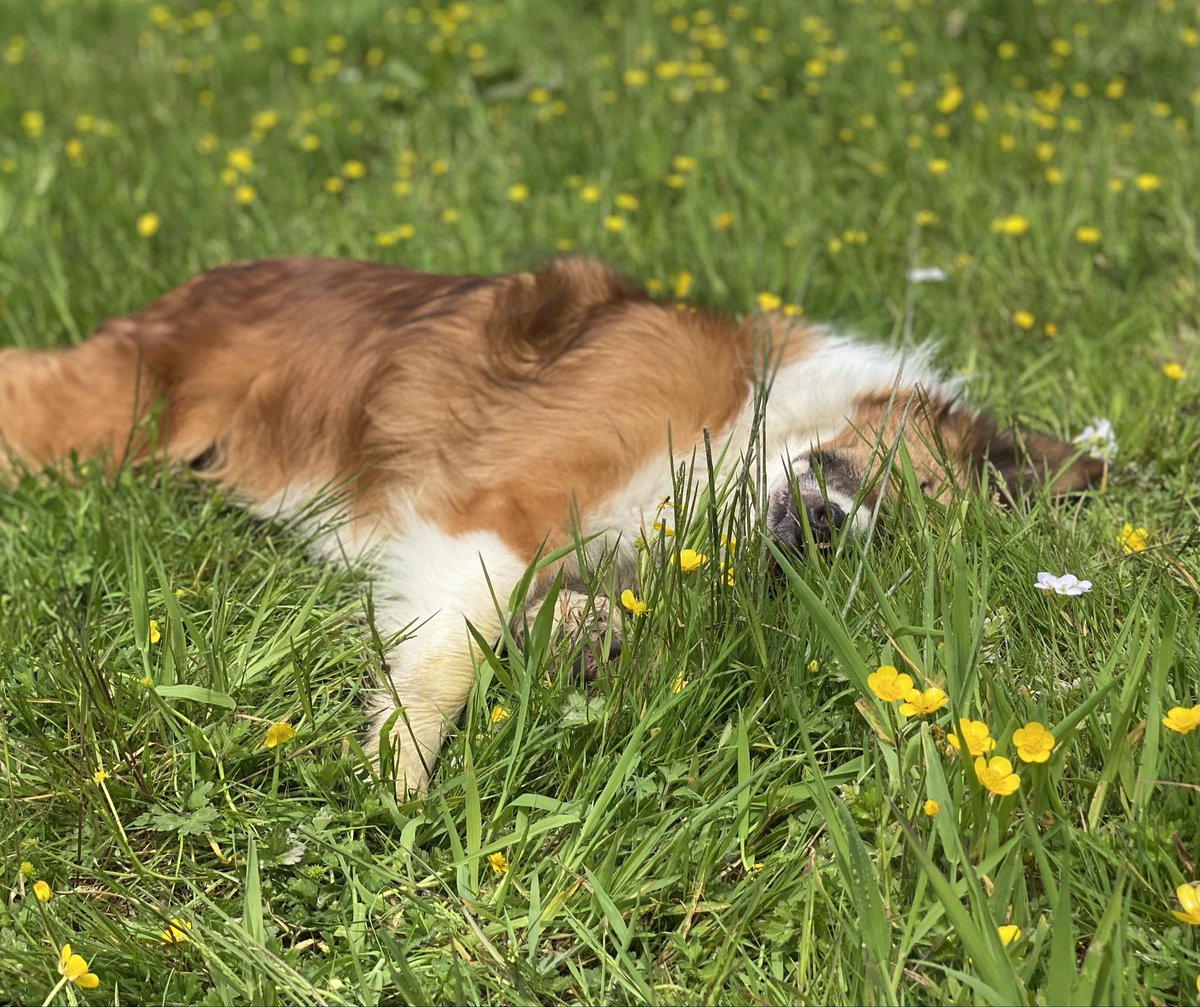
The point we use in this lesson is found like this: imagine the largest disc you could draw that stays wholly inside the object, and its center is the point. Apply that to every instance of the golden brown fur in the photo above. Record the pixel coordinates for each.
(471, 417)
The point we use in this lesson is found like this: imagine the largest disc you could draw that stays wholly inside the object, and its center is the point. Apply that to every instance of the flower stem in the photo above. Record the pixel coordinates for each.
(50, 996)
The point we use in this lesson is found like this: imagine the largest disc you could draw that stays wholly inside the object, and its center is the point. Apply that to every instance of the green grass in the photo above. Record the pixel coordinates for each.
(752, 835)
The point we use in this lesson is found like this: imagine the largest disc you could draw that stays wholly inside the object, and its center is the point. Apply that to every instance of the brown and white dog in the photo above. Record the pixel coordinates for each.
(477, 421)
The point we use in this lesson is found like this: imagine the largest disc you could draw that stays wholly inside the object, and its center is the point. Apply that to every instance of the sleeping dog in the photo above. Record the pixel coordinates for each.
(479, 422)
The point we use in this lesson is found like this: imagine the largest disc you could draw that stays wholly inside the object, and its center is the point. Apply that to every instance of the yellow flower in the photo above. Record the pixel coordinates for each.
(74, 968)
(333, 184)
(1147, 182)
(678, 685)
(353, 169)
(889, 684)
(240, 159)
(614, 224)
(1132, 539)
(448, 215)
(939, 166)
(1014, 225)
(590, 193)
(155, 634)
(723, 221)
(997, 775)
(100, 775)
(689, 560)
(310, 142)
(1023, 319)
(632, 603)
(498, 862)
(768, 301)
(1008, 933)
(41, 891)
(1087, 235)
(931, 807)
(681, 162)
(1189, 898)
(277, 734)
(926, 218)
(518, 192)
(1182, 719)
(33, 122)
(176, 932)
(922, 704)
(683, 284)
(1174, 371)
(626, 201)
(148, 225)
(978, 738)
(26, 868)
(73, 148)
(1006, 50)
(245, 194)
(635, 77)
(950, 99)
(1034, 743)
(499, 715)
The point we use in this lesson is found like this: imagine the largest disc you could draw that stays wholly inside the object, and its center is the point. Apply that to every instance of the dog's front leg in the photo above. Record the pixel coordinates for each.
(440, 583)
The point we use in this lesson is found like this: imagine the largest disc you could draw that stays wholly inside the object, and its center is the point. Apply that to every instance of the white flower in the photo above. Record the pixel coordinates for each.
(1068, 584)
(1099, 438)
(928, 274)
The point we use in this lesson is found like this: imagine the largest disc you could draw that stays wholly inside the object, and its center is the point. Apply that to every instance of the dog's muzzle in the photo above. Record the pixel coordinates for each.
(786, 526)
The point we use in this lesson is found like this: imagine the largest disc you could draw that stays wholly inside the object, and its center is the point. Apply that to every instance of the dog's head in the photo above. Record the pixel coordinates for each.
(837, 484)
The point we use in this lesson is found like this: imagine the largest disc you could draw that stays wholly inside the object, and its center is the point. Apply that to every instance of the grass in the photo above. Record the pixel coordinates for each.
(729, 814)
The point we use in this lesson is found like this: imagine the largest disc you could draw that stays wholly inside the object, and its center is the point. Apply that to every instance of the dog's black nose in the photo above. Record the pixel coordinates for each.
(824, 517)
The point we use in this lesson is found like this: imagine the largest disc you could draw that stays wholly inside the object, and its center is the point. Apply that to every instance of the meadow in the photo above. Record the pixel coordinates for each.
(737, 810)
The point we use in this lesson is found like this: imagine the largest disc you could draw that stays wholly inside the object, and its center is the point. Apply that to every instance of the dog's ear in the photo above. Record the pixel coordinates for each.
(1024, 460)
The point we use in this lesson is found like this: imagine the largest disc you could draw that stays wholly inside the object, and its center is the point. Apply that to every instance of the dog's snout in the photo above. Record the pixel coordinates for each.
(786, 524)
(824, 517)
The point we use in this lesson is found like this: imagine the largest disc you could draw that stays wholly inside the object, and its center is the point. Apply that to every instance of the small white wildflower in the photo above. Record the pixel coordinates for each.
(296, 850)
(1067, 584)
(927, 274)
(1099, 438)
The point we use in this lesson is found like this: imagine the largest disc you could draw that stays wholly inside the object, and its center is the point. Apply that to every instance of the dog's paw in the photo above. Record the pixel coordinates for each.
(582, 620)
(588, 620)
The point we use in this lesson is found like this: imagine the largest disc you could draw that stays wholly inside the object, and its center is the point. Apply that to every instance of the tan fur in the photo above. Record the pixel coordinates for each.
(318, 371)
(490, 409)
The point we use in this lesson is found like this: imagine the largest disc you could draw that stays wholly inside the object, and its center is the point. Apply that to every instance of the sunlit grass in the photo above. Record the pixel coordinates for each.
(731, 813)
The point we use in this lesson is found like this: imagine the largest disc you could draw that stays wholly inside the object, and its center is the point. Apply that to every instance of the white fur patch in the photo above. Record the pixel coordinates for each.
(432, 584)
(811, 398)
(809, 401)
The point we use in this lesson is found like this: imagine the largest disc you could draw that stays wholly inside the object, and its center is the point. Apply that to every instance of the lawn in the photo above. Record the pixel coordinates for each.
(730, 813)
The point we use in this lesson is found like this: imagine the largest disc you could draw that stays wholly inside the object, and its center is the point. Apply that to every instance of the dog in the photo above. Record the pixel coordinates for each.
(476, 423)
